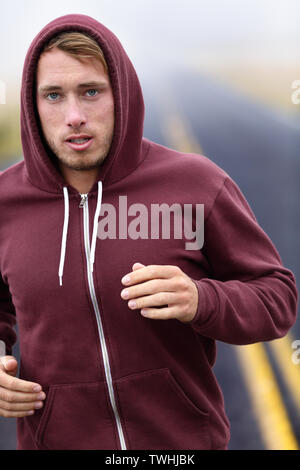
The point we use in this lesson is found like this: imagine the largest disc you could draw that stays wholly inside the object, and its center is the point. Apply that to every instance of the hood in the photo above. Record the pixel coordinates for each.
(125, 151)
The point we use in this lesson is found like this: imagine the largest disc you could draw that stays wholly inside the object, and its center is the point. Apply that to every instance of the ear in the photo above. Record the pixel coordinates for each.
(137, 266)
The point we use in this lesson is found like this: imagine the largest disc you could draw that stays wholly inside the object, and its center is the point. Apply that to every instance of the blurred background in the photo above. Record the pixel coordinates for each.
(219, 78)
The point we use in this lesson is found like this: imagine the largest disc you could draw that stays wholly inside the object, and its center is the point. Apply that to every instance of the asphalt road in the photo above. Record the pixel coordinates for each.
(259, 148)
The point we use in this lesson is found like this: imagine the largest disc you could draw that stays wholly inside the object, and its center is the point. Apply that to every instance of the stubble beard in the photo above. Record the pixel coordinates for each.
(86, 163)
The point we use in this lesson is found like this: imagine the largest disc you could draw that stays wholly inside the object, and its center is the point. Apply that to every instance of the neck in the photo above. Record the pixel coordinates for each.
(82, 181)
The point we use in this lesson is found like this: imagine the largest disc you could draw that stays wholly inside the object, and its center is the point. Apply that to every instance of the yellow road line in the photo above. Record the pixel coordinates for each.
(282, 351)
(179, 136)
(269, 408)
(270, 412)
(175, 127)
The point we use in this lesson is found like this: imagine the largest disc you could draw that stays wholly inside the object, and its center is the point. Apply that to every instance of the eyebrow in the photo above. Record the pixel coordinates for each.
(49, 88)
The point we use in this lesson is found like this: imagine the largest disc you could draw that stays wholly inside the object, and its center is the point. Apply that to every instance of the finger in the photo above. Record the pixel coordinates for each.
(8, 361)
(9, 364)
(147, 288)
(20, 397)
(150, 272)
(162, 298)
(7, 406)
(19, 385)
(137, 266)
(15, 414)
(166, 313)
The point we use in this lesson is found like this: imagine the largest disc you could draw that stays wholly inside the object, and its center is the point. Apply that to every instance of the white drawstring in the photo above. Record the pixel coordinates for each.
(95, 229)
(64, 237)
(65, 232)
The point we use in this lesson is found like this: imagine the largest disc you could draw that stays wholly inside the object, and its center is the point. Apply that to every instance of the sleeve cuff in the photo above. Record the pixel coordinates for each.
(208, 305)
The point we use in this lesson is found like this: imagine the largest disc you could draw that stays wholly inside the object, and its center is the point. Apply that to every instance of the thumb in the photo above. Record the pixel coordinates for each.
(137, 266)
(9, 364)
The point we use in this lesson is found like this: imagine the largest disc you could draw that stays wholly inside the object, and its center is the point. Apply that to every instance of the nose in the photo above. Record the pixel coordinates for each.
(75, 116)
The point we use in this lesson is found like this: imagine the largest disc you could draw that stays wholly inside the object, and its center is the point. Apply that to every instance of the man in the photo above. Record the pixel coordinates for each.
(117, 329)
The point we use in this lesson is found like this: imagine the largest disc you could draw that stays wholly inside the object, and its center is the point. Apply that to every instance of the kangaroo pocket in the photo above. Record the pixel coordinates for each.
(159, 415)
(75, 416)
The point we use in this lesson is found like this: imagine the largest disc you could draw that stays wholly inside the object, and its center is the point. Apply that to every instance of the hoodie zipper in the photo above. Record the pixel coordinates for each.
(107, 369)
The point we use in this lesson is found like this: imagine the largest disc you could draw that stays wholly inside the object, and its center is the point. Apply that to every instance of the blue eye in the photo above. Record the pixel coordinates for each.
(52, 96)
(92, 93)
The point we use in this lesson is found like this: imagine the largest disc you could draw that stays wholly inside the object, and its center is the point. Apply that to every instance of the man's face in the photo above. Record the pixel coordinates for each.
(75, 101)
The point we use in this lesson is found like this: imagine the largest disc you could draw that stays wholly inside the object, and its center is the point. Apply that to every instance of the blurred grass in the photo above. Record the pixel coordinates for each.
(10, 138)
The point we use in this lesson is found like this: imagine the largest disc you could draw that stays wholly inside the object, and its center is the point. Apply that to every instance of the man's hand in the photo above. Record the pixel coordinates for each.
(149, 287)
(18, 398)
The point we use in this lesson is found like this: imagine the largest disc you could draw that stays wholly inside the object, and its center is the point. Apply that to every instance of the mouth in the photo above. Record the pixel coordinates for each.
(79, 143)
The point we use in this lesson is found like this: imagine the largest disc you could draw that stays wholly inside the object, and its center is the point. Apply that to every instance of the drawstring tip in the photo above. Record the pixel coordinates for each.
(64, 236)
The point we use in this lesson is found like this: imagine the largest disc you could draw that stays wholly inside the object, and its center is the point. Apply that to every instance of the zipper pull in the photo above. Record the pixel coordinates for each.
(83, 200)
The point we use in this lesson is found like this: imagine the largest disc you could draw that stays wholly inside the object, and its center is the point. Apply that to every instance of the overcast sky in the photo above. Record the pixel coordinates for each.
(156, 32)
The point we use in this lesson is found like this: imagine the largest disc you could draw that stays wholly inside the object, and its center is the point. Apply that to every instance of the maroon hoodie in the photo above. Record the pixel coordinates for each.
(114, 379)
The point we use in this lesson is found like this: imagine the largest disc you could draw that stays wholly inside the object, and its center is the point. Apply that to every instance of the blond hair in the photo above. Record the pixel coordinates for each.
(78, 45)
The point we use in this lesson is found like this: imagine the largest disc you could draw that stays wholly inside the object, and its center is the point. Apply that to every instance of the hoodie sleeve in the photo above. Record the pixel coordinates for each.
(250, 296)
(7, 320)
